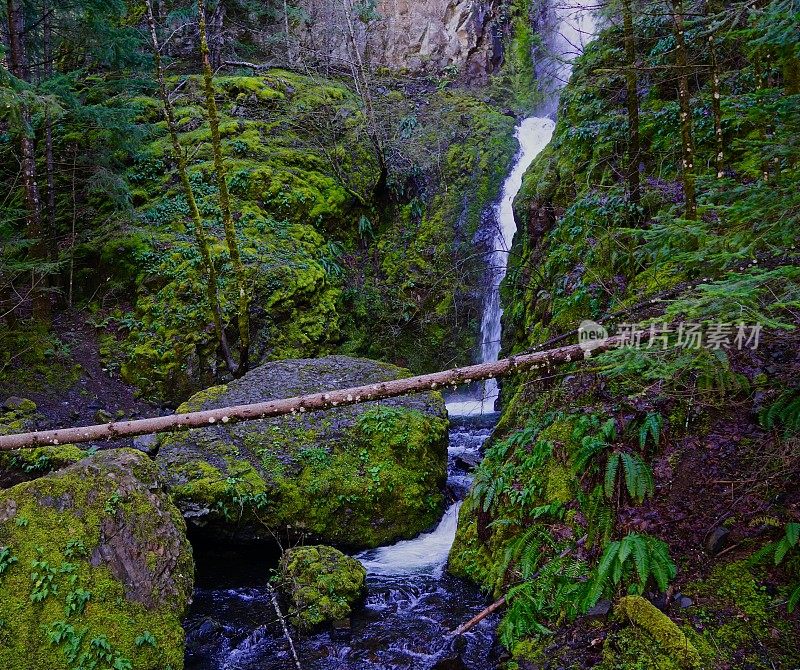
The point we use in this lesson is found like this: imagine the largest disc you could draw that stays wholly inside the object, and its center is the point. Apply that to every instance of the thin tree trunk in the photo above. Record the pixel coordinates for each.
(19, 68)
(632, 101)
(365, 93)
(716, 99)
(687, 142)
(224, 196)
(212, 294)
(52, 243)
(315, 401)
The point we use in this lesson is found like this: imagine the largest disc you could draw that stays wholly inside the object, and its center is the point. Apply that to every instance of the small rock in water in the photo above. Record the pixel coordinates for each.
(717, 540)
(450, 662)
(341, 630)
(467, 461)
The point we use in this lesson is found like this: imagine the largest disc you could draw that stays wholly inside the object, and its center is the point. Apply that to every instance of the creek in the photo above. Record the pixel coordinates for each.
(412, 603)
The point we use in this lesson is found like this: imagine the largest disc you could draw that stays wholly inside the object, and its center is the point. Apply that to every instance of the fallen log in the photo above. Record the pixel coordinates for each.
(307, 403)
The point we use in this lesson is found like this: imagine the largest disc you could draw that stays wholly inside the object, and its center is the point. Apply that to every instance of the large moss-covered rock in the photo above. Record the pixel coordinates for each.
(358, 476)
(94, 567)
(321, 584)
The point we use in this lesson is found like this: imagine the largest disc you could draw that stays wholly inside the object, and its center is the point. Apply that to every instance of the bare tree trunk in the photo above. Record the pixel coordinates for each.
(224, 196)
(364, 90)
(19, 68)
(632, 102)
(52, 239)
(716, 97)
(687, 142)
(212, 294)
(217, 38)
(312, 402)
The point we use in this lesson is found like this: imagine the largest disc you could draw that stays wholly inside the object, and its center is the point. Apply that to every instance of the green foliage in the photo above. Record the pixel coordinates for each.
(784, 412)
(7, 559)
(638, 476)
(634, 560)
(778, 551)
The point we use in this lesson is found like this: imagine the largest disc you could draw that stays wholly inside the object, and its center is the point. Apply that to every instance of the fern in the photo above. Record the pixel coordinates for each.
(785, 412)
(599, 516)
(778, 551)
(637, 474)
(637, 560)
(652, 425)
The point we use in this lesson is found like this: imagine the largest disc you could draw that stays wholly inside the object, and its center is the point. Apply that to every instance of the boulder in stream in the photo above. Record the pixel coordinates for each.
(95, 568)
(356, 477)
(321, 585)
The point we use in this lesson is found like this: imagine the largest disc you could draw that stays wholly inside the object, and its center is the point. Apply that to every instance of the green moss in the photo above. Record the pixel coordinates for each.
(61, 592)
(321, 584)
(642, 614)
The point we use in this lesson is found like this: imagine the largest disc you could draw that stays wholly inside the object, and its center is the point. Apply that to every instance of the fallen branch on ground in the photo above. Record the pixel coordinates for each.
(307, 403)
(497, 604)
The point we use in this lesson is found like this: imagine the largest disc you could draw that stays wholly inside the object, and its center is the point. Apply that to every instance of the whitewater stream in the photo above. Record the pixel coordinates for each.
(412, 603)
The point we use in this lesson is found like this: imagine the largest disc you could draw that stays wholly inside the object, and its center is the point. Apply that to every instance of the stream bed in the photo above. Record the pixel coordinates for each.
(411, 606)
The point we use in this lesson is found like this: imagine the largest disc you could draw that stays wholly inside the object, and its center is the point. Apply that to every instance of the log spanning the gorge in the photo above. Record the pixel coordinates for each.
(307, 403)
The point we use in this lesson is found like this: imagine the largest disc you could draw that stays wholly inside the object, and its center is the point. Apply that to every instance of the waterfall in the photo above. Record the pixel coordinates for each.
(571, 25)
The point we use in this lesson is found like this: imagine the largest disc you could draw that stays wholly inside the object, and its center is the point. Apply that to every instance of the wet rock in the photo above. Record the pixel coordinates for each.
(359, 476)
(341, 630)
(109, 545)
(450, 662)
(685, 602)
(145, 443)
(321, 585)
(717, 540)
(467, 461)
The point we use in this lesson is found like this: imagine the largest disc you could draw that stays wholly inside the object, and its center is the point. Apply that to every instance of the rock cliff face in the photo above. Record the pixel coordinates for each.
(404, 34)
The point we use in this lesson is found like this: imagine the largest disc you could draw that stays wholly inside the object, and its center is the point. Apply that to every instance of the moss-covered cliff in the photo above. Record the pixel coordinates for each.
(632, 471)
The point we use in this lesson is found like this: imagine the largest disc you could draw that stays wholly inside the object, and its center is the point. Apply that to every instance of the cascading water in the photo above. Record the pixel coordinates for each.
(573, 26)
(412, 603)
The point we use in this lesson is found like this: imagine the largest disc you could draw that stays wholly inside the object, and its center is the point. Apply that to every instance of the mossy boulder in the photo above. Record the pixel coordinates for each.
(356, 477)
(321, 585)
(650, 637)
(95, 568)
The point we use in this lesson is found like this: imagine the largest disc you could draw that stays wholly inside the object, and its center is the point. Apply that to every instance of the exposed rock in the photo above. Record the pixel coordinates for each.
(601, 609)
(406, 34)
(321, 584)
(358, 476)
(16, 404)
(717, 540)
(94, 552)
(467, 461)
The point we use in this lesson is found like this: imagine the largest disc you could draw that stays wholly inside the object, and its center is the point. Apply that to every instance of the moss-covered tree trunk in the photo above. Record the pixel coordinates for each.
(687, 142)
(716, 95)
(224, 195)
(212, 294)
(632, 104)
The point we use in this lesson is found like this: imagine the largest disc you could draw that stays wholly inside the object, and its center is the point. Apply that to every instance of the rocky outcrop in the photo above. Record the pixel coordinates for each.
(95, 568)
(321, 585)
(357, 476)
(405, 34)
